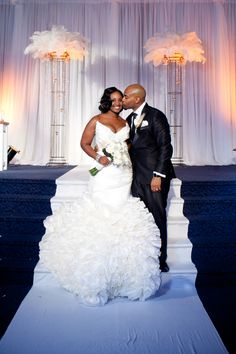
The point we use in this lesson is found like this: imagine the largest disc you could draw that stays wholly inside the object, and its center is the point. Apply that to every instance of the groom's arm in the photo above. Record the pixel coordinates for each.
(161, 133)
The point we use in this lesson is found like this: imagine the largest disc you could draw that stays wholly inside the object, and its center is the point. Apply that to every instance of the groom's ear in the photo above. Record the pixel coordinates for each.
(138, 100)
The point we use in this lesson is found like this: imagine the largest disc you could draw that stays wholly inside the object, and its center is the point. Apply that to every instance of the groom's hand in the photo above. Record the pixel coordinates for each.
(156, 184)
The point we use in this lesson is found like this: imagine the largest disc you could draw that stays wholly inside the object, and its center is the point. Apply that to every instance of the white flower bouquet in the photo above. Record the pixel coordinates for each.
(118, 154)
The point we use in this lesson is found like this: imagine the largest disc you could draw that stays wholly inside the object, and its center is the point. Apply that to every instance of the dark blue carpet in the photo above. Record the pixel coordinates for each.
(32, 172)
(206, 173)
(25, 193)
(209, 194)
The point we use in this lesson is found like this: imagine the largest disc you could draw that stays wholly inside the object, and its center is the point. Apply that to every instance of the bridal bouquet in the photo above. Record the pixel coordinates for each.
(118, 154)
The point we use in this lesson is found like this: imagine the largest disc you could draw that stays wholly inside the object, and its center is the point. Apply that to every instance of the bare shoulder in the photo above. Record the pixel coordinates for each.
(92, 122)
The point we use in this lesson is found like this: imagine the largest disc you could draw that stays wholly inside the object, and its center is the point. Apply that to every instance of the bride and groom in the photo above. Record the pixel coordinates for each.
(113, 242)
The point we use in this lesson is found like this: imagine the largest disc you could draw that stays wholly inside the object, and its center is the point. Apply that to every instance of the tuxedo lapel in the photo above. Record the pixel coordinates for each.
(142, 117)
(145, 109)
(129, 120)
(137, 131)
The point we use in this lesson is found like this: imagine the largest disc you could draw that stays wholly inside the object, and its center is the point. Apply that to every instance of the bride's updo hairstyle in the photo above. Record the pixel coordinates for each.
(105, 102)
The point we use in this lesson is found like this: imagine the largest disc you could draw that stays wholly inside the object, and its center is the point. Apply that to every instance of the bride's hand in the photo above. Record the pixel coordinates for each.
(103, 160)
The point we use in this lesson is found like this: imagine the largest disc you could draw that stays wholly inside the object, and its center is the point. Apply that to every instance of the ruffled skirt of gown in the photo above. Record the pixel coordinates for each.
(104, 245)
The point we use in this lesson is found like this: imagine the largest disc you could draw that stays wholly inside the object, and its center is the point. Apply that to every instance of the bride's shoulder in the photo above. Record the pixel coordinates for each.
(91, 125)
(94, 119)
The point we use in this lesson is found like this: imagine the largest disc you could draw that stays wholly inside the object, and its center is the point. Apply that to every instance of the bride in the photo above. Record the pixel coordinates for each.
(105, 245)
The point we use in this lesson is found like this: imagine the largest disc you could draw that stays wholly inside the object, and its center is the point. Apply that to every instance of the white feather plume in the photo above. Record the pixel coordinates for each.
(58, 41)
(167, 44)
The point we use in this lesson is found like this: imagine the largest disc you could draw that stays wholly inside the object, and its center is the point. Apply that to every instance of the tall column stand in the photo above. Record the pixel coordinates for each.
(3, 145)
(59, 106)
(175, 108)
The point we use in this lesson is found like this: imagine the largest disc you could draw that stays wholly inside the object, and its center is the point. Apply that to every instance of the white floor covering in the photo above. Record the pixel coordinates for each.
(50, 320)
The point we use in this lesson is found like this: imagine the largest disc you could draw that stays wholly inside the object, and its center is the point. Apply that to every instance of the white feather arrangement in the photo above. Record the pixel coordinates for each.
(57, 43)
(166, 45)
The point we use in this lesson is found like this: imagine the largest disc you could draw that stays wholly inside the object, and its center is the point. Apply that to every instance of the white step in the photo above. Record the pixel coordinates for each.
(71, 186)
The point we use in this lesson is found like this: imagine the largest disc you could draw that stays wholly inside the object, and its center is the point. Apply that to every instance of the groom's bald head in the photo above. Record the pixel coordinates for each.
(137, 90)
(134, 96)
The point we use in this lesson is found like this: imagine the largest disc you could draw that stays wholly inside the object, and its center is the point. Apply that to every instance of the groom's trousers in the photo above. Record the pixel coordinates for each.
(156, 203)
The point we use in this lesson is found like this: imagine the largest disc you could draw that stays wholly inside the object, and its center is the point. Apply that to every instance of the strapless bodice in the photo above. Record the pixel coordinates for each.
(105, 136)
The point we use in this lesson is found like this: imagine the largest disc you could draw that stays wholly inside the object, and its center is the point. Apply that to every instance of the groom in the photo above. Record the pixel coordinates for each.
(150, 153)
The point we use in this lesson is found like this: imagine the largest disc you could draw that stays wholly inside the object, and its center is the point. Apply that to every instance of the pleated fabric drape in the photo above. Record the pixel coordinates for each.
(117, 32)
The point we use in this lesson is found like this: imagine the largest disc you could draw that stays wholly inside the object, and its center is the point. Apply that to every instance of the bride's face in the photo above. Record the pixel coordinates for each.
(116, 102)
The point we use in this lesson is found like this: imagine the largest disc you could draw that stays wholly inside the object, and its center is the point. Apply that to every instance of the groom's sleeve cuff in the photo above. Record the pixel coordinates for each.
(158, 174)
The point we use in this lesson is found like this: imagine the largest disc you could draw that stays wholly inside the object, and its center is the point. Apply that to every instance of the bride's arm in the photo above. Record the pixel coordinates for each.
(128, 142)
(87, 139)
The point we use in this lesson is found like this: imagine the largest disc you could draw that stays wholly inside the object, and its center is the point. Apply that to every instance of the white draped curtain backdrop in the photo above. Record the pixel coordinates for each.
(117, 31)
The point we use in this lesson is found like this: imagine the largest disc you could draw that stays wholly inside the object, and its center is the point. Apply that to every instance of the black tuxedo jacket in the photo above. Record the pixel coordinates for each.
(151, 148)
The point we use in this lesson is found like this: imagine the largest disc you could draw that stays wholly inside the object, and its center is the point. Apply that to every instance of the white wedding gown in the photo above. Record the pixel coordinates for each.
(106, 244)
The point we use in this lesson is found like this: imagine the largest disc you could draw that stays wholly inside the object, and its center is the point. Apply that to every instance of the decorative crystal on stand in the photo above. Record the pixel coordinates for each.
(3, 144)
(59, 113)
(174, 50)
(175, 104)
(58, 46)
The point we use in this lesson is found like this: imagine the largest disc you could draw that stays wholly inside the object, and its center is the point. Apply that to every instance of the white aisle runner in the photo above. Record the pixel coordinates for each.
(50, 320)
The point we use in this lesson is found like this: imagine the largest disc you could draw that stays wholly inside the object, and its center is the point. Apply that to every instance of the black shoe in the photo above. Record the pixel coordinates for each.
(164, 267)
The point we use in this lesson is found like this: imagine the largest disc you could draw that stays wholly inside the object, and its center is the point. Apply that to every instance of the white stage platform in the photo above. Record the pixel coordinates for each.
(72, 184)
